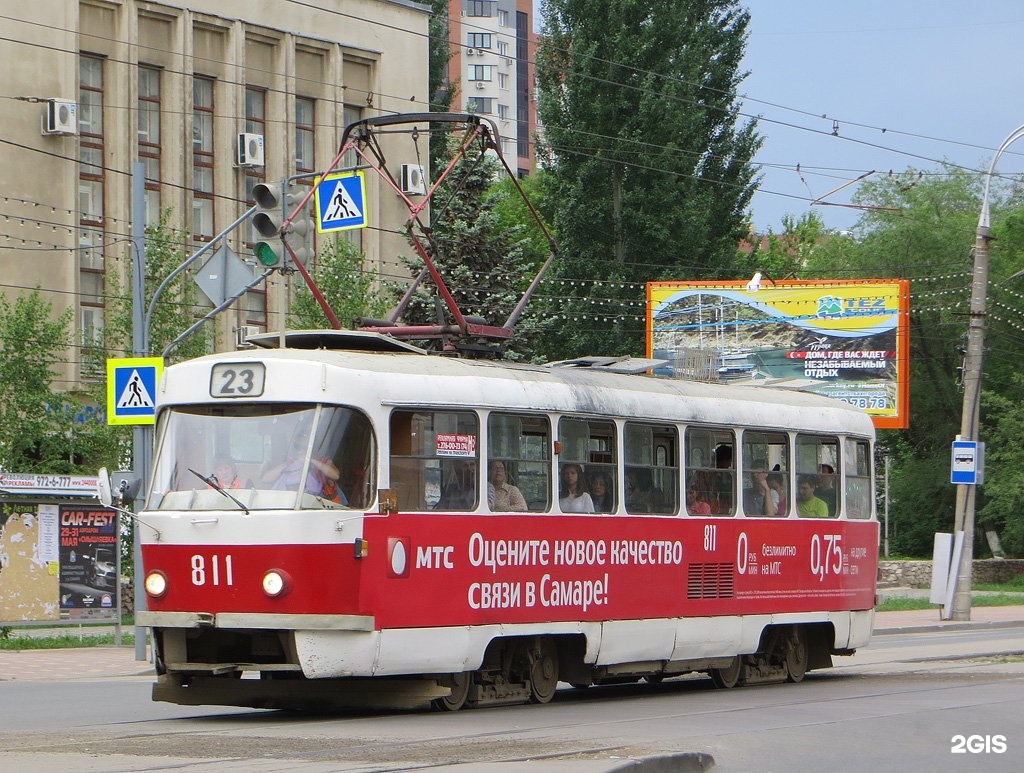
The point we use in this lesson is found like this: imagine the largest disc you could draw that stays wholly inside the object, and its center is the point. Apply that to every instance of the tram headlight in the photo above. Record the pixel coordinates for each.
(276, 582)
(156, 584)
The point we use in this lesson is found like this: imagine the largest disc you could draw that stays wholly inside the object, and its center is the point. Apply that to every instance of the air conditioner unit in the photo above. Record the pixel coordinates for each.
(480, 52)
(481, 85)
(470, 52)
(60, 116)
(413, 180)
(250, 150)
(242, 333)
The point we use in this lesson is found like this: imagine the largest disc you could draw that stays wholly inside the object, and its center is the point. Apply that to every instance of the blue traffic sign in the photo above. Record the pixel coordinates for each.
(964, 468)
(341, 202)
(131, 389)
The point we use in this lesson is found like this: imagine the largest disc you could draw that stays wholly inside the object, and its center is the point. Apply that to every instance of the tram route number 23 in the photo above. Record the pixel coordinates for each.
(215, 570)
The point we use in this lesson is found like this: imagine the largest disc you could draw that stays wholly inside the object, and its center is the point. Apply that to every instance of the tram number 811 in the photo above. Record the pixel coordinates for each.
(213, 571)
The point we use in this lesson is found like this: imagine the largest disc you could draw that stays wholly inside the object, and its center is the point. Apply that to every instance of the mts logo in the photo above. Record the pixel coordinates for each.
(435, 557)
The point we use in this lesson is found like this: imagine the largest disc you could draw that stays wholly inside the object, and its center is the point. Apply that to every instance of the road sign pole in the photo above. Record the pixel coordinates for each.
(142, 436)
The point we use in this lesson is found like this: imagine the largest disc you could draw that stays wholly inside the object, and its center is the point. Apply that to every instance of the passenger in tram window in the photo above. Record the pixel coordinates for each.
(695, 505)
(459, 490)
(321, 480)
(777, 482)
(639, 497)
(760, 498)
(502, 496)
(573, 496)
(827, 487)
(601, 492)
(808, 505)
(722, 503)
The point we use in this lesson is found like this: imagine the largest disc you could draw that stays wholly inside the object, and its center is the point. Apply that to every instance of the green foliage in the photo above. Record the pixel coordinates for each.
(922, 227)
(41, 430)
(486, 255)
(442, 92)
(167, 247)
(339, 274)
(1004, 466)
(649, 173)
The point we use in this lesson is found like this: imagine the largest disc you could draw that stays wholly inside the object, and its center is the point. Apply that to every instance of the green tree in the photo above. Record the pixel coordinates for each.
(921, 227)
(33, 419)
(167, 247)
(339, 274)
(442, 91)
(484, 253)
(649, 169)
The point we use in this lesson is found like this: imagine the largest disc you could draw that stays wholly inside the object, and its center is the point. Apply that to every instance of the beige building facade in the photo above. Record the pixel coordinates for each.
(94, 87)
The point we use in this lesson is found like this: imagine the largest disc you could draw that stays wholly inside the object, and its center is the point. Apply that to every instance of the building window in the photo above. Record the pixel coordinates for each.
(480, 104)
(304, 135)
(503, 112)
(502, 80)
(478, 40)
(480, 72)
(503, 47)
(92, 268)
(149, 138)
(502, 18)
(480, 8)
(202, 159)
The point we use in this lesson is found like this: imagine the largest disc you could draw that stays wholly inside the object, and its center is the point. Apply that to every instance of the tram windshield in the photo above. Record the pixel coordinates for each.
(260, 456)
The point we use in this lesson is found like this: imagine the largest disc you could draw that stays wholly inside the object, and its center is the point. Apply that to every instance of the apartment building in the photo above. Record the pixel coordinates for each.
(93, 87)
(493, 50)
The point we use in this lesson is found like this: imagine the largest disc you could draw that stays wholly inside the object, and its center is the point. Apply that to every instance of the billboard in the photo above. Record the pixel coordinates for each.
(844, 339)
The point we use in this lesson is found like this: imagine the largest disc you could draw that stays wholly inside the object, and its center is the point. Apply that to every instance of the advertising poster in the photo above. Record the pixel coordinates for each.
(88, 562)
(28, 563)
(844, 339)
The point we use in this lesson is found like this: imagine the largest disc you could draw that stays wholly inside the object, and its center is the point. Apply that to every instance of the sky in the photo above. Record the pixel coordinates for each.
(944, 79)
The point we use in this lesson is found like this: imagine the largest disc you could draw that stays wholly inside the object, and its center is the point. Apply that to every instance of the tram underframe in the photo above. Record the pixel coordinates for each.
(514, 670)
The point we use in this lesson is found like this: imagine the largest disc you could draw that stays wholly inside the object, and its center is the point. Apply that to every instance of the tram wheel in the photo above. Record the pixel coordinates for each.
(732, 675)
(544, 671)
(460, 691)
(797, 656)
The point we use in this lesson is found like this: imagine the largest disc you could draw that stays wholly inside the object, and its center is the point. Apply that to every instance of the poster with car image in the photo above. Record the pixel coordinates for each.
(88, 561)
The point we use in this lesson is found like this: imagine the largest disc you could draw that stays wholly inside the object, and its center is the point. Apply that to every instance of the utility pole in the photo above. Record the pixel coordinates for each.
(965, 493)
(142, 435)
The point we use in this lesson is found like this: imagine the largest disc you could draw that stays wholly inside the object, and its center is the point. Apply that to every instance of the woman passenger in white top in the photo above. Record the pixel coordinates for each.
(573, 496)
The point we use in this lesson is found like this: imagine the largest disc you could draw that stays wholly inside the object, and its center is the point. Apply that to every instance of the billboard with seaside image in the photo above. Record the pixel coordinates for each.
(844, 339)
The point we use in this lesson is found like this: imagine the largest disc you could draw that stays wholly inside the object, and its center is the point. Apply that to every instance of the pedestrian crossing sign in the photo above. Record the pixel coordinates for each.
(131, 389)
(341, 202)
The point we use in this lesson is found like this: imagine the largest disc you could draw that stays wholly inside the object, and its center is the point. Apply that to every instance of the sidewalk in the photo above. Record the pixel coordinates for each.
(108, 662)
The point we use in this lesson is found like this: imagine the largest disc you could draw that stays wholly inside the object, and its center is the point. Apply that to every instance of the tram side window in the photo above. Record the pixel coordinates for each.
(817, 468)
(858, 460)
(523, 444)
(766, 474)
(346, 437)
(710, 471)
(588, 451)
(433, 460)
(651, 468)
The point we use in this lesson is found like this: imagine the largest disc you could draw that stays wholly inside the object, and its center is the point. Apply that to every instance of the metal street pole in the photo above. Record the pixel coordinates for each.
(142, 436)
(965, 493)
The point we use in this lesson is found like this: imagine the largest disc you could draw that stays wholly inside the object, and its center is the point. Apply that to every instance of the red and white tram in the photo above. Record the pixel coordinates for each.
(318, 529)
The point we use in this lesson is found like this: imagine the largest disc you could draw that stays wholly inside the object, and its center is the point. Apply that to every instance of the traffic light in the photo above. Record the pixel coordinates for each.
(269, 250)
(274, 207)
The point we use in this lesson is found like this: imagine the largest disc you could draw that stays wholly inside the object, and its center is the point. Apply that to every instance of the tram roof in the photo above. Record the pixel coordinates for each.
(392, 372)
